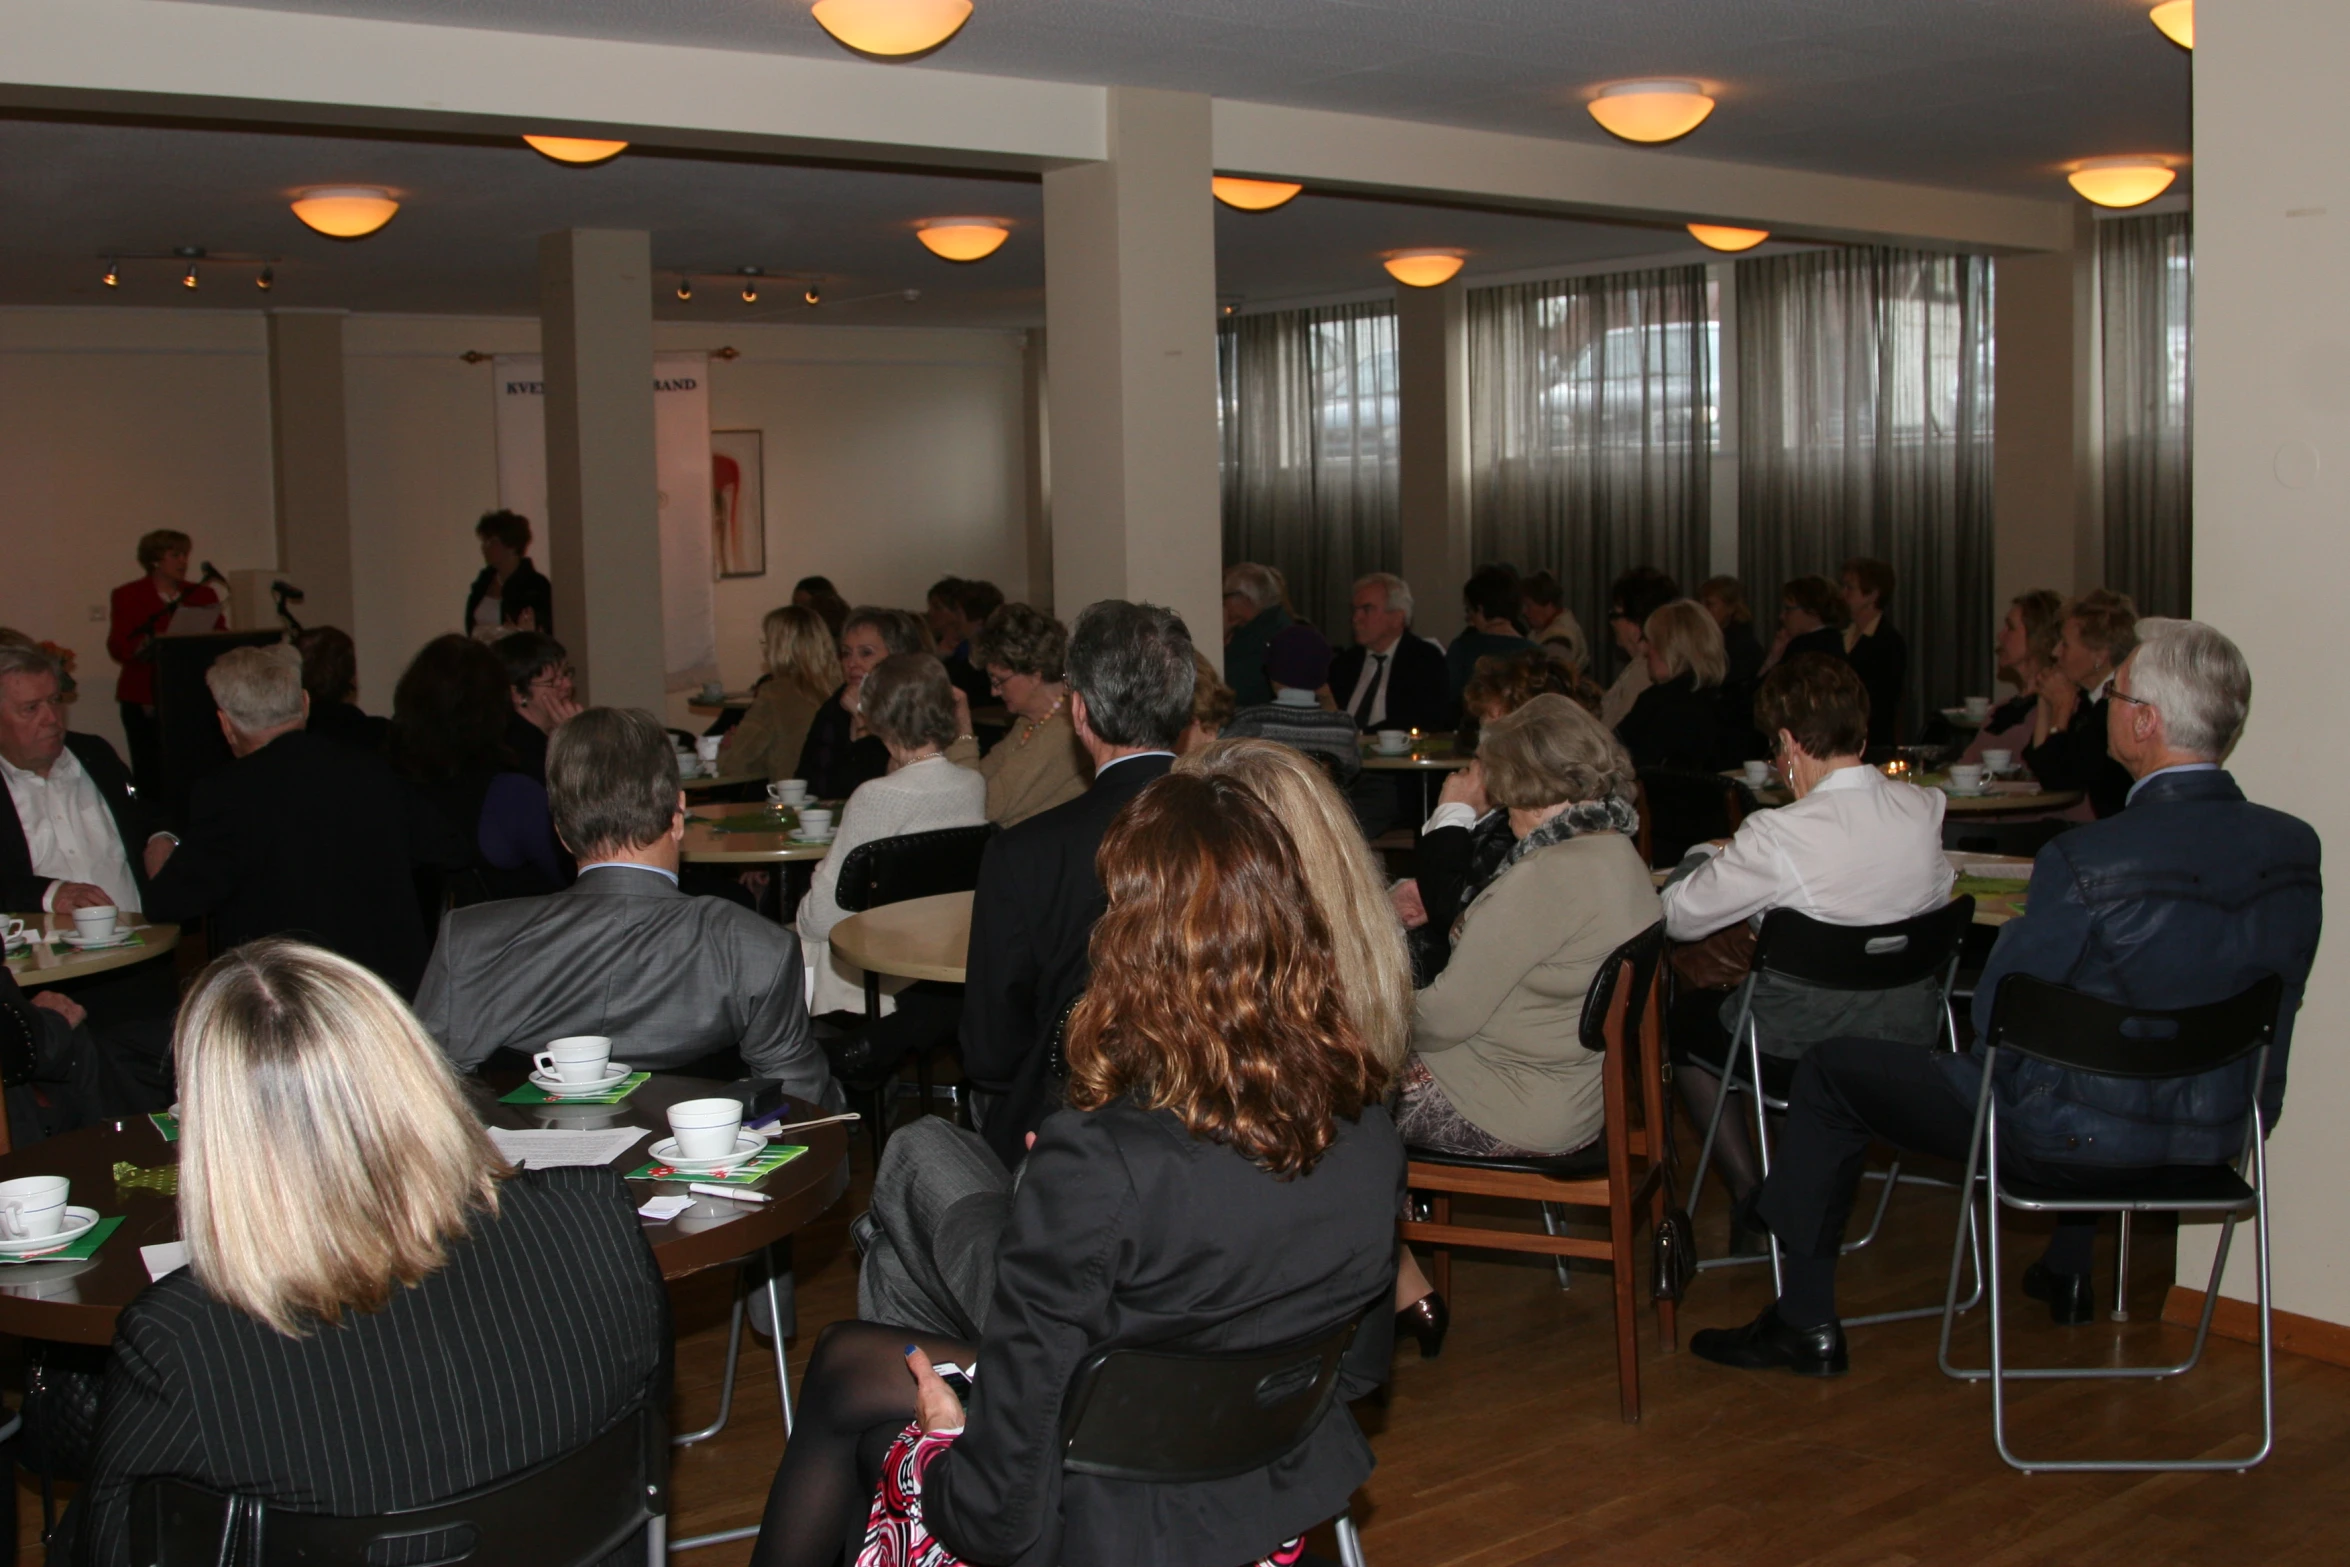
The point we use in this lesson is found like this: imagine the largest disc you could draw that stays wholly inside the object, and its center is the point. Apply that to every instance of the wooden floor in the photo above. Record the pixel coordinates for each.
(1508, 1449)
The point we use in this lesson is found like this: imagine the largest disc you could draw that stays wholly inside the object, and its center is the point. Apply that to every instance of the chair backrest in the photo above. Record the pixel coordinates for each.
(1177, 1417)
(2022, 840)
(2066, 1028)
(918, 865)
(1631, 967)
(1623, 1019)
(571, 1511)
(1863, 957)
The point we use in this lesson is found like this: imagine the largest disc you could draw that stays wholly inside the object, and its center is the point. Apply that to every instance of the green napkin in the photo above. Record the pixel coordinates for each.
(762, 1165)
(532, 1094)
(90, 1240)
(166, 1123)
(164, 1178)
(1993, 886)
(779, 819)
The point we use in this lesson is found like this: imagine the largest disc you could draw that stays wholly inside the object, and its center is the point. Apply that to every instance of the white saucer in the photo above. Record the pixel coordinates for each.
(78, 1221)
(1956, 793)
(74, 938)
(747, 1146)
(556, 1088)
(800, 837)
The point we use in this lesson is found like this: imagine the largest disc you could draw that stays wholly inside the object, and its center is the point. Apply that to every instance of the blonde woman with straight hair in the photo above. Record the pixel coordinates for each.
(803, 668)
(1682, 719)
(378, 1312)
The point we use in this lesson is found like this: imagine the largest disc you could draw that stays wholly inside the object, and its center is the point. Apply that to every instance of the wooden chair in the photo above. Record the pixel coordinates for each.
(1624, 1022)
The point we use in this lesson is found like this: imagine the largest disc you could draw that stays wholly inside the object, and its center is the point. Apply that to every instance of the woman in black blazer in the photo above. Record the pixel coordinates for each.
(1679, 721)
(1225, 1179)
(379, 1314)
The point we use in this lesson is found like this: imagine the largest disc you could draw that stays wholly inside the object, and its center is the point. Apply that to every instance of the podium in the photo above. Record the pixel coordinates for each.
(188, 741)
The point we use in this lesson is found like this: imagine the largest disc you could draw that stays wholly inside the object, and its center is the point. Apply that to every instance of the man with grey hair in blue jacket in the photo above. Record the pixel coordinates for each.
(2190, 895)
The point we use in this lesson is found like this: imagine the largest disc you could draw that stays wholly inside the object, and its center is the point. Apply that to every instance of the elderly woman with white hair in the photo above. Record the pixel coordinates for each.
(351, 1231)
(1256, 609)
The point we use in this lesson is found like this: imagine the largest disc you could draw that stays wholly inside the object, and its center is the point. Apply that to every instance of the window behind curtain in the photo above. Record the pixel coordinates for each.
(2146, 295)
(1592, 412)
(1306, 409)
(1864, 381)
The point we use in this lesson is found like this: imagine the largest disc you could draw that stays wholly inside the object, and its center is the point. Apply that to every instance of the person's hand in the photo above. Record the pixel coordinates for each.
(935, 1406)
(64, 1006)
(72, 895)
(1409, 908)
(559, 708)
(962, 711)
(754, 882)
(159, 850)
(1466, 786)
(2058, 697)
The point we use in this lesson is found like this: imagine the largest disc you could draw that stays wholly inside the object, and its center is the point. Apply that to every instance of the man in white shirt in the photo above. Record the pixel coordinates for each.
(68, 841)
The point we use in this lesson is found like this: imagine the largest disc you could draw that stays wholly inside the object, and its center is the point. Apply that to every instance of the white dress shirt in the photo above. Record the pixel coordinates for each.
(69, 831)
(1860, 849)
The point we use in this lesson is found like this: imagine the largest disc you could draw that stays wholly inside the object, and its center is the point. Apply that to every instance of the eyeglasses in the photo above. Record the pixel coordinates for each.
(2119, 695)
(560, 675)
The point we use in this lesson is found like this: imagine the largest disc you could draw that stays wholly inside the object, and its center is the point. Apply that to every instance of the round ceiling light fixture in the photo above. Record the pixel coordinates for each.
(2121, 182)
(1714, 236)
(1651, 111)
(575, 149)
(1253, 195)
(1423, 268)
(2176, 18)
(892, 29)
(962, 239)
(346, 211)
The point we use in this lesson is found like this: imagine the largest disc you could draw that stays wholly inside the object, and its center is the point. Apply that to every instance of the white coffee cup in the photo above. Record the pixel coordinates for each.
(579, 1058)
(1966, 777)
(1758, 774)
(788, 791)
(13, 931)
(706, 1128)
(712, 691)
(1998, 761)
(96, 923)
(1978, 707)
(815, 822)
(1392, 742)
(33, 1206)
(707, 747)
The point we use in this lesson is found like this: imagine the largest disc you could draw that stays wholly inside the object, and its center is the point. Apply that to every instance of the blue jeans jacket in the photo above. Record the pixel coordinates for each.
(2187, 897)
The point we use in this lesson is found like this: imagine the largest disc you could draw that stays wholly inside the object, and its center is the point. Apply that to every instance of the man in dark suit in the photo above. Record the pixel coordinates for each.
(300, 836)
(1392, 678)
(2188, 896)
(76, 834)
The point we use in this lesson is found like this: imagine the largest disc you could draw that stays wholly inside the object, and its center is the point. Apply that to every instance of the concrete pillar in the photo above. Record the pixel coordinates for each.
(2272, 534)
(1036, 442)
(310, 458)
(1130, 315)
(2046, 531)
(596, 328)
(1432, 451)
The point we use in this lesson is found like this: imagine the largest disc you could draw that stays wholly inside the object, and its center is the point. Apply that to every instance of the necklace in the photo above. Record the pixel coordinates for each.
(1034, 724)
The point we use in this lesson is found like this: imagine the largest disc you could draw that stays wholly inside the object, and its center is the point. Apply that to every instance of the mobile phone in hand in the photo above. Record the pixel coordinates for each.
(957, 1378)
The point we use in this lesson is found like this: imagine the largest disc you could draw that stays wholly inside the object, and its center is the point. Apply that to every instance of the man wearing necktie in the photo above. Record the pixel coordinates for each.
(1391, 678)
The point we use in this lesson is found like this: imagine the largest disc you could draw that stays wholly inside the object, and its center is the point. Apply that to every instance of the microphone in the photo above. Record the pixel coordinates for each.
(211, 574)
(286, 591)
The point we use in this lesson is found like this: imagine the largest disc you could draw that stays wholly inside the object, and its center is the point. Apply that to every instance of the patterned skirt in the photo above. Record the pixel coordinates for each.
(895, 1535)
(1427, 1119)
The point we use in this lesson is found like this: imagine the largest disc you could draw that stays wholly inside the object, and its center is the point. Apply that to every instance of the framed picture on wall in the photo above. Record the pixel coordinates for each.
(738, 504)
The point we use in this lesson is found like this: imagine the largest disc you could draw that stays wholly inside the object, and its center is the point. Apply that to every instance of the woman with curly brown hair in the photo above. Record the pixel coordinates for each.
(1225, 1177)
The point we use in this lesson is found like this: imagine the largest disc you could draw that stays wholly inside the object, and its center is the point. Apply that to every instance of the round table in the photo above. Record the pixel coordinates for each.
(723, 781)
(738, 701)
(704, 845)
(2000, 799)
(77, 1302)
(921, 938)
(155, 941)
(1428, 756)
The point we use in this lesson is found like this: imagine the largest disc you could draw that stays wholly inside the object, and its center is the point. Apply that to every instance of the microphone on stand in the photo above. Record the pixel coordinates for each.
(211, 573)
(286, 591)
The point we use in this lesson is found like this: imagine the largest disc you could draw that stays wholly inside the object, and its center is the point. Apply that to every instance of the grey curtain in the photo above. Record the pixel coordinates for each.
(1591, 409)
(2146, 297)
(1306, 406)
(1864, 428)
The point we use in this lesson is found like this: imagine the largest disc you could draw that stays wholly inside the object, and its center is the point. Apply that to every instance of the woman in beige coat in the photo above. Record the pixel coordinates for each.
(802, 669)
(1039, 764)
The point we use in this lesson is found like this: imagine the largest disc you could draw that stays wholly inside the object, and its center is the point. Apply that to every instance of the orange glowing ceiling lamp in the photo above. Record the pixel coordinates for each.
(1253, 195)
(346, 211)
(962, 239)
(892, 29)
(1424, 268)
(2176, 18)
(1713, 236)
(2121, 182)
(1651, 111)
(575, 149)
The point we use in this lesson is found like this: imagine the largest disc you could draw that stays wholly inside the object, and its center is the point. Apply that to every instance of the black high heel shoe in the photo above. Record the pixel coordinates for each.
(1427, 1320)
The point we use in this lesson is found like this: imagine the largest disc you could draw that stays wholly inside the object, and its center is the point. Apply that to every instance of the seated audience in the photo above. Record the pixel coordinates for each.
(1039, 764)
(2068, 749)
(1545, 608)
(1855, 848)
(1224, 1178)
(1678, 721)
(140, 611)
(1875, 650)
(330, 677)
(366, 1276)
(677, 980)
(452, 718)
(1131, 682)
(908, 705)
(59, 1074)
(510, 594)
(1811, 620)
(1392, 678)
(1637, 594)
(1212, 707)
(958, 608)
(1254, 612)
(803, 669)
(1492, 621)
(1505, 682)
(2026, 645)
(1724, 598)
(77, 835)
(538, 674)
(2186, 898)
(300, 836)
(839, 754)
(818, 594)
(1297, 665)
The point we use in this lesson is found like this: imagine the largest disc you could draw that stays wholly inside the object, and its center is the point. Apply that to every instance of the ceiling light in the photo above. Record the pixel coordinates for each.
(113, 277)
(1253, 195)
(266, 281)
(685, 288)
(962, 239)
(346, 211)
(575, 149)
(750, 293)
(892, 28)
(2122, 182)
(1651, 111)
(813, 297)
(2176, 18)
(1424, 268)
(188, 279)
(1714, 236)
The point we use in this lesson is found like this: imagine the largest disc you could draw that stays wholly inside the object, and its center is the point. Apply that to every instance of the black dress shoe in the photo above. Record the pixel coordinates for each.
(2071, 1297)
(1767, 1343)
(1427, 1319)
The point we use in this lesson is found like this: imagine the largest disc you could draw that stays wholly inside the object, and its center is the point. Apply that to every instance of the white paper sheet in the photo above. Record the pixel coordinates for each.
(553, 1149)
(662, 1209)
(169, 1257)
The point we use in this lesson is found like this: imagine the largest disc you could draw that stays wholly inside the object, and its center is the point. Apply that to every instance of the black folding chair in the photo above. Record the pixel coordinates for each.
(1175, 1417)
(1850, 958)
(571, 1511)
(2080, 1033)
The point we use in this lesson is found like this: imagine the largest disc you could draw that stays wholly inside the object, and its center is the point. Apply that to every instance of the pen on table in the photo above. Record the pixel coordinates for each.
(738, 1193)
(768, 1122)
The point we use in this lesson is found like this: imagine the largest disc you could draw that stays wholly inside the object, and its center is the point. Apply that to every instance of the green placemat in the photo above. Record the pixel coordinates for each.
(166, 1123)
(1993, 886)
(762, 1165)
(779, 820)
(91, 1239)
(532, 1094)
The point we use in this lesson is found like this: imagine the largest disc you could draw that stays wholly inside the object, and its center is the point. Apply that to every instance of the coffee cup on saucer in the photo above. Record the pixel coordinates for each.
(96, 923)
(815, 822)
(1392, 742)
(789, 791)
(580, 1058)
(33, 1206)
(712, 691)
(707, 747)
(706, 1128)
(1758, 774)
(1978, 708)
(1966, 778)
(1998, 761)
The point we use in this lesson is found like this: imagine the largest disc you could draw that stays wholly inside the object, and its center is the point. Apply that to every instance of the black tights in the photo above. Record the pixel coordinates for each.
(857, 1396)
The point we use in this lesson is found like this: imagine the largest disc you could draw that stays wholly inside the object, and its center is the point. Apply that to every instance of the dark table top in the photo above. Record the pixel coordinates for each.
(77, 1301)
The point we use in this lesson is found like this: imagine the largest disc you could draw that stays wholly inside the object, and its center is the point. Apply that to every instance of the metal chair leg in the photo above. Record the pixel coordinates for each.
(778, 1266)
(1551, 1220)
(1350, 1543)
(734, 1352)
(2121, 1271)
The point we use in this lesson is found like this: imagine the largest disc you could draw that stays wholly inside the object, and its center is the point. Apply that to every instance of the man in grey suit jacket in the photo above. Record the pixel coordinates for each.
(623, 952)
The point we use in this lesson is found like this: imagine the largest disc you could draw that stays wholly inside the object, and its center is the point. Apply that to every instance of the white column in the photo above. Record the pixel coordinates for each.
(2046, 532)
(311, 465)
(596, 327)
(1130, 317)
(1432, 451)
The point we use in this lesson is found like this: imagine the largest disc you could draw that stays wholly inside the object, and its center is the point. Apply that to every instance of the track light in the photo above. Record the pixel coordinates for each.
(266, 281)
(750, 293)
(685, 288)
(813, 297)
(188, 279)
(113, 277)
